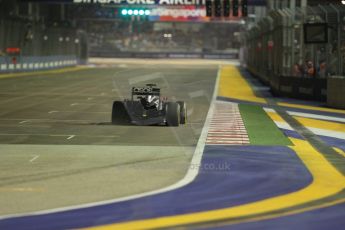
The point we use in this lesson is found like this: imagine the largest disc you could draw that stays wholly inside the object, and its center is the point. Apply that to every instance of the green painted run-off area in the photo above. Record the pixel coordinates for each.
(260, 127)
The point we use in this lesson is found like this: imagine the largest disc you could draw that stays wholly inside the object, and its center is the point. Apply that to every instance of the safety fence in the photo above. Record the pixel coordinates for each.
(296, 50)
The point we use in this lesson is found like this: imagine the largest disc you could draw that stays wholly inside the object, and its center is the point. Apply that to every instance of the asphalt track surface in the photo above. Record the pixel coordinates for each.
(75, 108)
(58, 147)
(237, 187)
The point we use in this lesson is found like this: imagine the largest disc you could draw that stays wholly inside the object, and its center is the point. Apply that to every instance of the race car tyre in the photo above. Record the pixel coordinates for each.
(172, 114)
(183, 112)
(119, 114)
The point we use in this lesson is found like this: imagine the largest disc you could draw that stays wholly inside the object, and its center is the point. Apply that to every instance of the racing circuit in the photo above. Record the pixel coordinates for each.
(65, 161)
(60, 122)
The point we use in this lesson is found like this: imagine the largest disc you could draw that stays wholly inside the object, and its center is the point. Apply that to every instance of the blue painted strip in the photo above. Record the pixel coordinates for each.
(293, 134)
(335, 142)
(229, 176)
(331, 141)
(320, 219)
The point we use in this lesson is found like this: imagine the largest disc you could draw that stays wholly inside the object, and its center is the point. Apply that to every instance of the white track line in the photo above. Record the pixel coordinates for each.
(70, 137)
(189, 177)
(89, 104)
(51, 112)
(35, 158)
(44, 120)
(320, 132)
(315, 116)
(327, 133)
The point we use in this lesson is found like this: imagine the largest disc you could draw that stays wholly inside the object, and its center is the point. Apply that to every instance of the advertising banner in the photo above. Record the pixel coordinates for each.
(142, 2)
(178, 13)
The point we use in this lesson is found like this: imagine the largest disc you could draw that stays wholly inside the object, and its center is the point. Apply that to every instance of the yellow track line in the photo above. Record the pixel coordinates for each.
(316, 108)
(312, 123)
(340, 151)
(328, 125)
(275, 116)
(55, 71)
(327, 181)
(233, 85)
(287, 213)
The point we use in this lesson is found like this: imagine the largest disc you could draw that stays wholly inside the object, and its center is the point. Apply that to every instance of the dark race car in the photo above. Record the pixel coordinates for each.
(147, 107)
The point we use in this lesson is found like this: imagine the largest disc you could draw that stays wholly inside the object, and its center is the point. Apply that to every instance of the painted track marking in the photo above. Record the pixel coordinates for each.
(51, 112)
(90, 104)
(318, 131)
(227, 127)
(324, 175)
(70, 137)
(35, 158)
(189, 177)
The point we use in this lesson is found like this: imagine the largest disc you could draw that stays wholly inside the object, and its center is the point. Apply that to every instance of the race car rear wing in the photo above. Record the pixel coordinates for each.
(146, 91)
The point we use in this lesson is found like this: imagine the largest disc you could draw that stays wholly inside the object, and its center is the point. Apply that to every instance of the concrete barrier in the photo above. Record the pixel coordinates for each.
(305, 88)
(108, 54)
(25, 64)
(336, 91)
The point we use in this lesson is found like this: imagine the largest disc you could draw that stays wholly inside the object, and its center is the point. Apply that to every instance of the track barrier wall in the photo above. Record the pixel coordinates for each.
(24, 64)
(335, 92)
(279, 56)
(164, 55)
(28, 45)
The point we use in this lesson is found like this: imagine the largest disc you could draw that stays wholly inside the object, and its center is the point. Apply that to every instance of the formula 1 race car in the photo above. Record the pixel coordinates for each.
(147, 107)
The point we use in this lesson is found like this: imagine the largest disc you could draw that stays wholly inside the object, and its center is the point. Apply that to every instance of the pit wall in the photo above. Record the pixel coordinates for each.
(24, 64)
(278, 51)
(335, 92)
(173, 55)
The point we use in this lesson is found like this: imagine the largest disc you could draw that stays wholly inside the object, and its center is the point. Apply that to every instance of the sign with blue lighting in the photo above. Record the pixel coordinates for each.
(135, 12)
(142, 2)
